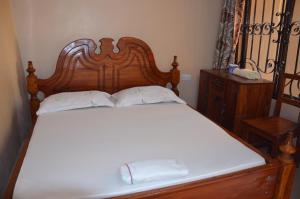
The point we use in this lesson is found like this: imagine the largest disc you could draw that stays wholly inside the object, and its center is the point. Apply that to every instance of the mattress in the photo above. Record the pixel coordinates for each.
(78, 153)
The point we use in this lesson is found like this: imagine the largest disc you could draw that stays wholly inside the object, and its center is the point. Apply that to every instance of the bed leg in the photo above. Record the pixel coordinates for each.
(175, 76)
(32, 88)
(287, 171)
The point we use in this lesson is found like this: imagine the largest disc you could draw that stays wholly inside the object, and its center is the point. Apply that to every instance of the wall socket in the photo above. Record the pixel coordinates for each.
(186, 77)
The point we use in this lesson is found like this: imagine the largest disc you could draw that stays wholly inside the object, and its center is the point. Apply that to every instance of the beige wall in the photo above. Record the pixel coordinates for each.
(187, 28)
(14, 110)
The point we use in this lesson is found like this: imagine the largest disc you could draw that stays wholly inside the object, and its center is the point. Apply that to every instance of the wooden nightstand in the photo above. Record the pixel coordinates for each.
(227, 99)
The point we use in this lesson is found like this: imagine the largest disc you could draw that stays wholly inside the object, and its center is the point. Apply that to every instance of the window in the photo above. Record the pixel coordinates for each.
(267, 27)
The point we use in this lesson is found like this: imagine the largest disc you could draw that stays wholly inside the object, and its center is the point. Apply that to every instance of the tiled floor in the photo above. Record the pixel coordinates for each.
(296, 189)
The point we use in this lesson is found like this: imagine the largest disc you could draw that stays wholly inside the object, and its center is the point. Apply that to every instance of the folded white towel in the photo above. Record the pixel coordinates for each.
(246, 73)
(152, 170)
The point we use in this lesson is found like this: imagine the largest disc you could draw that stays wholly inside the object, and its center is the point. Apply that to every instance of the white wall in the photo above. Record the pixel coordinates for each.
(187, 28)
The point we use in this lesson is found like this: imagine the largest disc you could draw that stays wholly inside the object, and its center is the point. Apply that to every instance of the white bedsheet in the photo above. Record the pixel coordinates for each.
(78, 153)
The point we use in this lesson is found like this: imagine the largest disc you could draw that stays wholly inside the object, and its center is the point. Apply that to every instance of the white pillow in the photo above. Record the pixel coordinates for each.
(145, 95)
(74, 100)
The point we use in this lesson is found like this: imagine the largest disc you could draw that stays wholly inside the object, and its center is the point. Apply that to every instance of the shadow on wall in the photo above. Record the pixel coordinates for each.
(9, 153)
(23, 118)
(19, 127)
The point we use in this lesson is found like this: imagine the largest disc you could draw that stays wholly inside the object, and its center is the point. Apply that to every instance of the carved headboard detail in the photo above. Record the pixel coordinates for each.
(79, 67)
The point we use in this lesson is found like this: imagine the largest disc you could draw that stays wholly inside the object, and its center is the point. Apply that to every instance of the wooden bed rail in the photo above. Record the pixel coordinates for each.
(214, 188)
(288, 167)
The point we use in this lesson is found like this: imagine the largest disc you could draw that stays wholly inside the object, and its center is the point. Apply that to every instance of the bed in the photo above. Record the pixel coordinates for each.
(98, 140)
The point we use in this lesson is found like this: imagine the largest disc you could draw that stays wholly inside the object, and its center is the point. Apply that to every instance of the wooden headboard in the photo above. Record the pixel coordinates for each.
(79, 67)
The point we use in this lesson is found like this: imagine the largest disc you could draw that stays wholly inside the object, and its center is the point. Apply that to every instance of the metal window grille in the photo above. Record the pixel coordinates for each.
(270, 40)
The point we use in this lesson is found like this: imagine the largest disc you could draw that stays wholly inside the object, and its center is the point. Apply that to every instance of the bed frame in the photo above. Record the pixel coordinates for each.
(131, 63)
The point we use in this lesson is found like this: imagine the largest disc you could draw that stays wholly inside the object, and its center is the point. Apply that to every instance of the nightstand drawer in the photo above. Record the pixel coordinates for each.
(217, 87)
(216, 106)
(217, 84)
